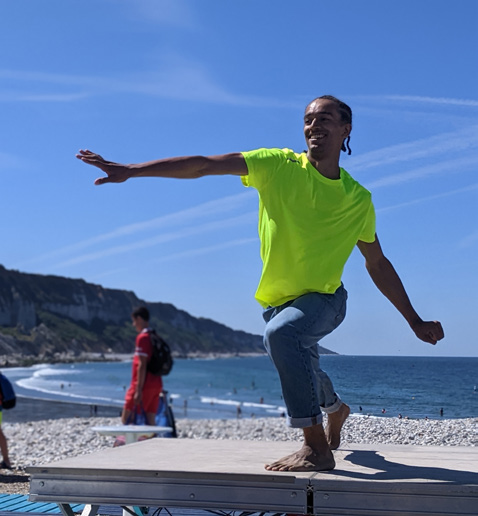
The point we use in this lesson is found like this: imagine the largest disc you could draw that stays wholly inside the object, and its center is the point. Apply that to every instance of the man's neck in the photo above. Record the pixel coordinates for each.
(326, 167)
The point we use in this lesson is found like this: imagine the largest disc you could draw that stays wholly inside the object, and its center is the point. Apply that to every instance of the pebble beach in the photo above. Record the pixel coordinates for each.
(40, 442)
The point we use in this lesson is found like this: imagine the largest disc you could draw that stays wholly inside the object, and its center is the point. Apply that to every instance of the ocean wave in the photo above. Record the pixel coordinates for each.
(50, 371)
(243, 404)
(64, 396)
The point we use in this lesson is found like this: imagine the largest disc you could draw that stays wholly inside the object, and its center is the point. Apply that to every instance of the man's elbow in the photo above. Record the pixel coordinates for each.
(377, 266)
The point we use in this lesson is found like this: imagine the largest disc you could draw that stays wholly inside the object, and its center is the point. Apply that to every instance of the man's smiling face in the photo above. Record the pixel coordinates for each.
(324, 129)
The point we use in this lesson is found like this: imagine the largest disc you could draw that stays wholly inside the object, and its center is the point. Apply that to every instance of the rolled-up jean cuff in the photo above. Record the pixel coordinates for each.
(304, 422)
(332, 408)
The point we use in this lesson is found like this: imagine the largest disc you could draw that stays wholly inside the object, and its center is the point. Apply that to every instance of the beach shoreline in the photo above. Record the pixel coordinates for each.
(38, 409)
(28, 409)
(20, 360)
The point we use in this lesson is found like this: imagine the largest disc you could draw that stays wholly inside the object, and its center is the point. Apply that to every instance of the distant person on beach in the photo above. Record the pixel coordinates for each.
(312, 214)
(7, 401)
(143, 393)
(5, 464)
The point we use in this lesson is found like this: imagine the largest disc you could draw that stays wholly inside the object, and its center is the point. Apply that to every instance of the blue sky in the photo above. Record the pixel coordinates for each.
(140, 80)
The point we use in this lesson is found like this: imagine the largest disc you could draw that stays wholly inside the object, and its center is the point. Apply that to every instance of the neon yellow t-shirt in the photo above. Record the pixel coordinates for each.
(308, 224)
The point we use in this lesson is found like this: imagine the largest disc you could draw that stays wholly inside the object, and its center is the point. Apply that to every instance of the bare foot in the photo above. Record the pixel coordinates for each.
(306, 459)
(335, 422)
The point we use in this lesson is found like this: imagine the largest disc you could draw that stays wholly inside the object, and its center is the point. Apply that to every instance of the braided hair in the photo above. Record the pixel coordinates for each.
(345, 116)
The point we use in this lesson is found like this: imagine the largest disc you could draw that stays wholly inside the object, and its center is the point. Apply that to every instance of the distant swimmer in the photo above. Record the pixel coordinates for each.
(313, 214)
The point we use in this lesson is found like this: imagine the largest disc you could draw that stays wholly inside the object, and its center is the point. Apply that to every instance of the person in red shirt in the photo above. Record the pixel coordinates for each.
(143, 393)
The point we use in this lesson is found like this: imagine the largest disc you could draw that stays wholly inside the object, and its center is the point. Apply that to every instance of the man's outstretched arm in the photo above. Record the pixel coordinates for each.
(187, 167)
(388, 282)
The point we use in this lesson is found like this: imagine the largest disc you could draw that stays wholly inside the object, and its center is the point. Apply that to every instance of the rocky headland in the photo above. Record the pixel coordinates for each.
(46, 318)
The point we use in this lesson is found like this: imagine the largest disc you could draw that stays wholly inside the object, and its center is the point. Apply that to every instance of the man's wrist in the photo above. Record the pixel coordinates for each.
(415, 321)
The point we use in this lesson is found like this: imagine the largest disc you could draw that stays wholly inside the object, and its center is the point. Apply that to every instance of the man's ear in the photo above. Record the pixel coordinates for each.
(347, 130)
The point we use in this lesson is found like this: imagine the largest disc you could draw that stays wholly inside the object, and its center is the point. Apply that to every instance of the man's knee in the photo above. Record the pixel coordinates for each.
(277, 340)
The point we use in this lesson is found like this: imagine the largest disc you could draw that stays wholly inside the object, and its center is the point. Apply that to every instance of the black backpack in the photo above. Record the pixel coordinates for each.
(7, 393)
(161, 361)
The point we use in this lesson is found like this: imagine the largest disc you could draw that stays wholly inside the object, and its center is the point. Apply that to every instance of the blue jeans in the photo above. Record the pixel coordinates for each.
(291, 338)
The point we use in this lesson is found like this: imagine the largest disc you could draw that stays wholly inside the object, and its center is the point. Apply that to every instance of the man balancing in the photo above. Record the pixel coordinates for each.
(311, 216)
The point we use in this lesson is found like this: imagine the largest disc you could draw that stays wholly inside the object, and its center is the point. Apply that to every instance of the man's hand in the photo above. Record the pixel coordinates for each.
(115, 172)
(428, 331)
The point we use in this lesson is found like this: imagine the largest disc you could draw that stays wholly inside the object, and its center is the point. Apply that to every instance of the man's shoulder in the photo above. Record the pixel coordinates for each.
(143, 335)
(143, 340)
(264, 164)
(352, 184)
(273, 152)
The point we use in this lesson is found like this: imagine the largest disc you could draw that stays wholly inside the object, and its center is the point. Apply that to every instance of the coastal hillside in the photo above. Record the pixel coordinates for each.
(48, 318)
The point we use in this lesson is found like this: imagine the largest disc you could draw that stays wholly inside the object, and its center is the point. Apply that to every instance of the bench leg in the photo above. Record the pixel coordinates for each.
(90, 510)
(66, 509)
(135, 510)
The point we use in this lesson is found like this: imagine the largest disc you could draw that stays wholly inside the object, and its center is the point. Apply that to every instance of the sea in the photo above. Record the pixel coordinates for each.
(382, 386)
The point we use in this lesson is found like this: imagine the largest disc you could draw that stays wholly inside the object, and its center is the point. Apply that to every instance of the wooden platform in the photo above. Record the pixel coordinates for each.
(229, 475)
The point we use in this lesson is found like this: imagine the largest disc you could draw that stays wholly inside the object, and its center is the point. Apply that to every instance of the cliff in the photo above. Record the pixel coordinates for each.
(43, 318)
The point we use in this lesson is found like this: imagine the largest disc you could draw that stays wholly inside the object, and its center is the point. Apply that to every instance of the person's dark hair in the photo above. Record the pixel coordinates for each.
(142, 312)
(345, 115)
